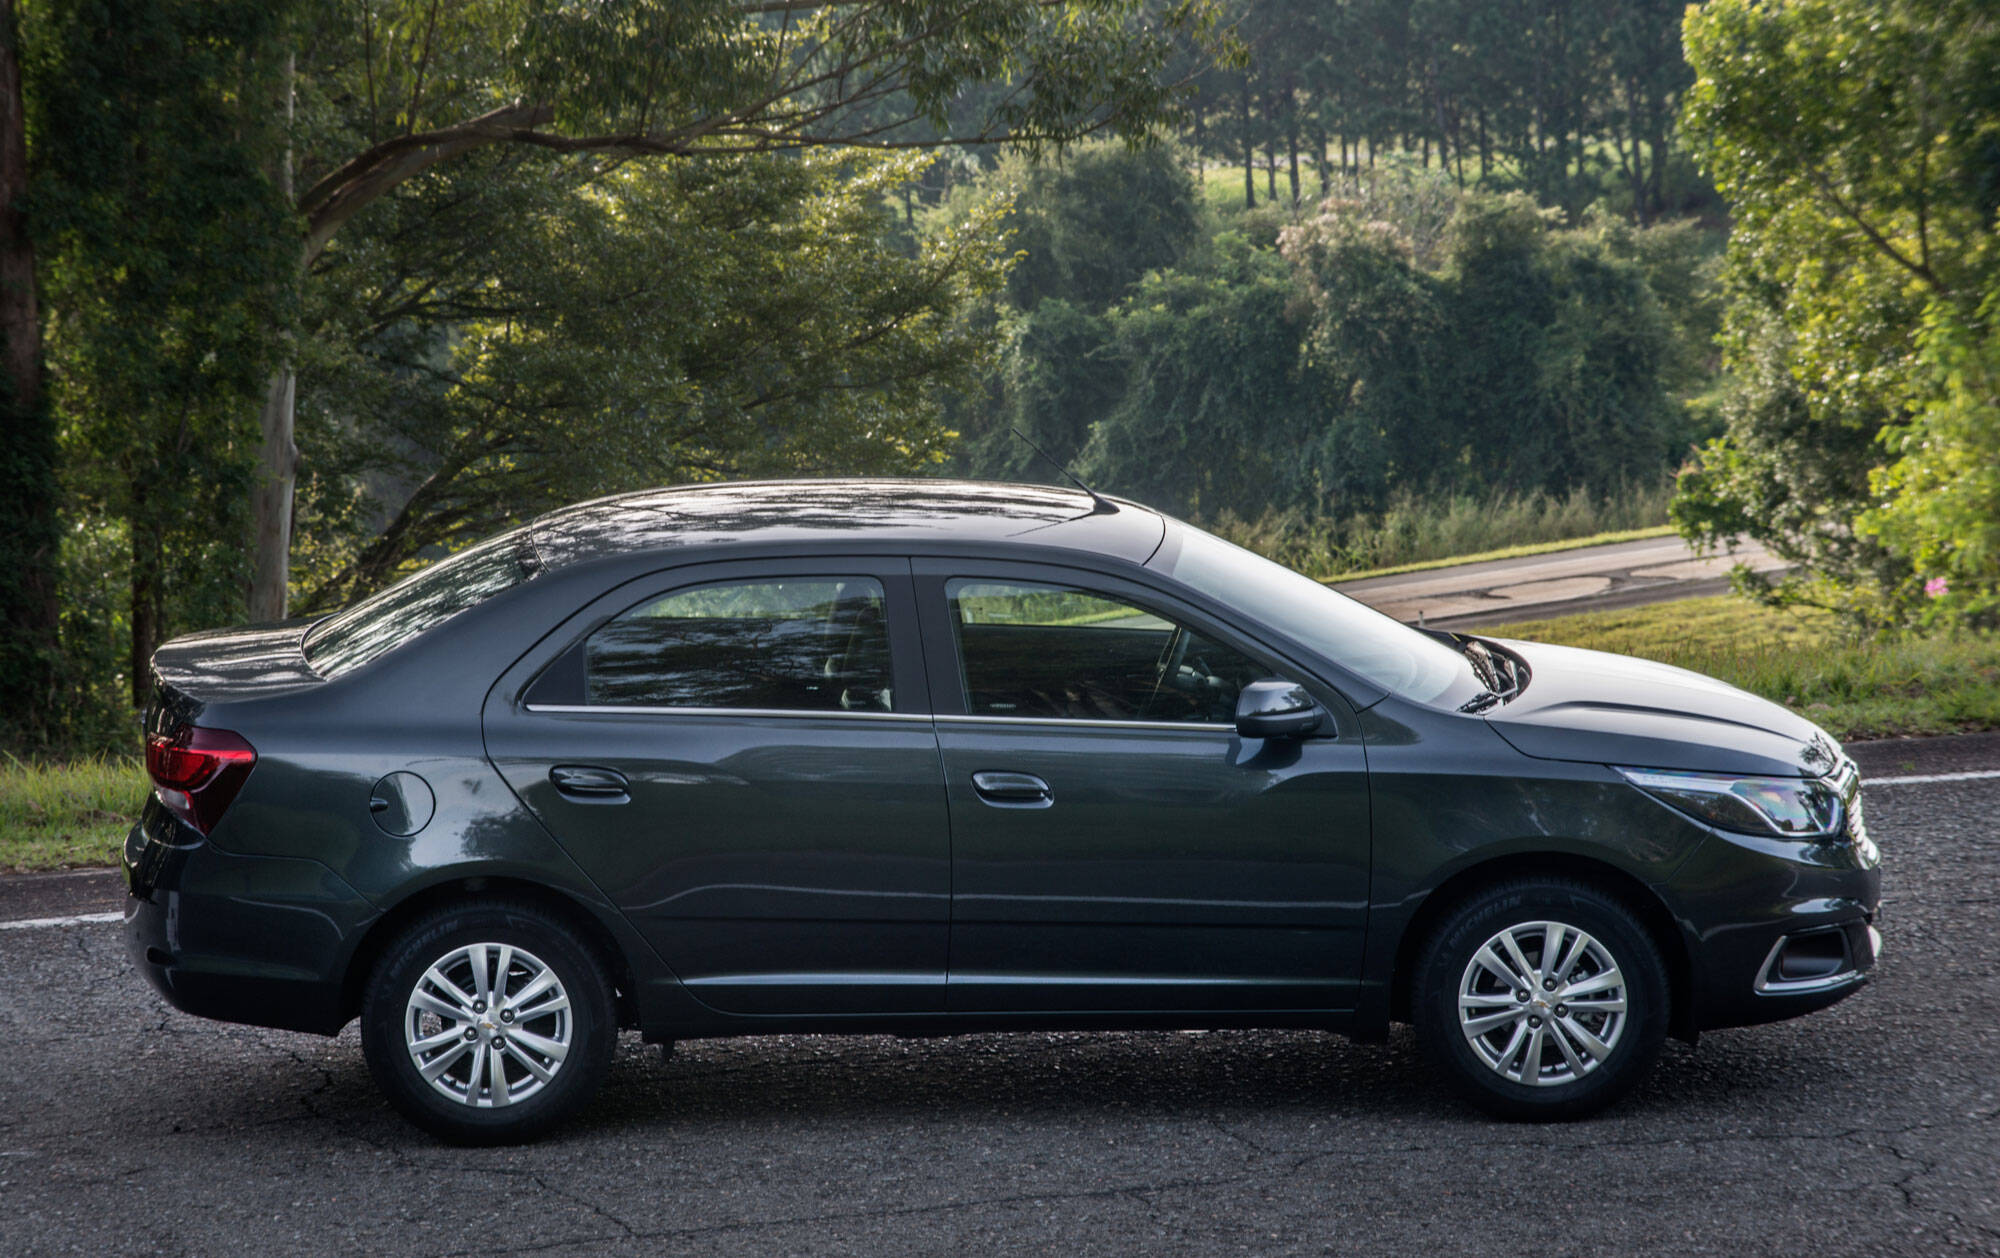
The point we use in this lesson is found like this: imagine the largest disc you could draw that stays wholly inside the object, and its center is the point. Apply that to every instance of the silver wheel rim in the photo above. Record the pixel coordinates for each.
(488, 1025)
(1542, 1004)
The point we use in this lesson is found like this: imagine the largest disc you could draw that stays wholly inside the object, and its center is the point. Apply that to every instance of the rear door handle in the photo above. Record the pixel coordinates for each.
(589, 784)
(1012, 790)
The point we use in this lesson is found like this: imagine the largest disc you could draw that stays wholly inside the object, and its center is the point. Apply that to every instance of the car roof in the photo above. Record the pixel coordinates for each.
(926, 514)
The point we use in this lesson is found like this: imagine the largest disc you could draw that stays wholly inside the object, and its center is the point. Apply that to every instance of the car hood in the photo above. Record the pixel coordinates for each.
(1614, 709)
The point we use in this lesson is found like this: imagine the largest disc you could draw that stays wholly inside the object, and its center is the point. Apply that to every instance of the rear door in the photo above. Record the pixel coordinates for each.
(1116, 846)
(741, 756)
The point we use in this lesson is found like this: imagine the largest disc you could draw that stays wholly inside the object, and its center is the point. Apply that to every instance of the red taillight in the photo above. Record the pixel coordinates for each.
(197, 772)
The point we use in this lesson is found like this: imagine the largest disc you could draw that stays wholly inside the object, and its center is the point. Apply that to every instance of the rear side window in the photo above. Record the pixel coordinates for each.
(1031, 650)
(419, 603)
(813, 644)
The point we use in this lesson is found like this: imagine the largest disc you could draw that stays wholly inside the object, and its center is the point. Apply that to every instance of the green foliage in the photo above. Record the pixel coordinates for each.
(1940, 498)
(166, 251)
(1211, 388)
(1088, 227)
(1408, 338)
(595, 331)
(1856, 142)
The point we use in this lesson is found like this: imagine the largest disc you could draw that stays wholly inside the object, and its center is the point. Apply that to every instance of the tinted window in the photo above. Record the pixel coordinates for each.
(1385, 651)
(818, 644)
(418, 603)
(1053, 651)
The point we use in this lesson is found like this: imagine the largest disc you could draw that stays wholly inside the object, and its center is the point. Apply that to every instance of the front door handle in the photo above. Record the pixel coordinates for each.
(1012, 790)
(588, 784)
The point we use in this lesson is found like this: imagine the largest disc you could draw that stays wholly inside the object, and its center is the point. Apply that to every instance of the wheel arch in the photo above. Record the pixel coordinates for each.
(1644, 902)
(475, 889)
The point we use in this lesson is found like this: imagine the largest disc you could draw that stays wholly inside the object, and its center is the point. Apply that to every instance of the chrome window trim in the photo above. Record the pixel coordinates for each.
(1056, 722)
(1069, 722)
(620, 709)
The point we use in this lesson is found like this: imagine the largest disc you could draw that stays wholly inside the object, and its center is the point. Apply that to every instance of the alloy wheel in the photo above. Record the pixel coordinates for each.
(488, 1025)
(1542, 1003)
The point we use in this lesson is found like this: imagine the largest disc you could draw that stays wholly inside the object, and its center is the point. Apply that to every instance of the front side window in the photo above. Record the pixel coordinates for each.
(813, 644)
(1388, 653)
(1033, 650)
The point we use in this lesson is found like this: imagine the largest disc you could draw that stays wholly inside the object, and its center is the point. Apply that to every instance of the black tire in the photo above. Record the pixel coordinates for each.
(590, 1031)
(1445, 964)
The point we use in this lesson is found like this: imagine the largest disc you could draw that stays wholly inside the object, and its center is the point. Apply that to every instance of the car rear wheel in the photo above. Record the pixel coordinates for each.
(488, 1024)
(1541, 999)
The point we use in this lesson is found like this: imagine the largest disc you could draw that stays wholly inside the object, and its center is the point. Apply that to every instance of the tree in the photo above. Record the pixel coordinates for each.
(163, 246)
(416, 84)
(585, 332)
(1857, 144)
(1090, 226)
(28, 491)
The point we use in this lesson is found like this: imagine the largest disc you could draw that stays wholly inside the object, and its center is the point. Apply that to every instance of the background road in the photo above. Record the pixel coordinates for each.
(1586, 578)
(1873, 1128)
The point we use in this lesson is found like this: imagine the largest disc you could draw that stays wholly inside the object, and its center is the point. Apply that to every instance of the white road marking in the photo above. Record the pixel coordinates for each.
(79, 920)
(1913, 779)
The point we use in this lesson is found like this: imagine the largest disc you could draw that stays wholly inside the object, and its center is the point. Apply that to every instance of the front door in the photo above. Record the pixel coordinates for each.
(742, 758)
(1116, 845)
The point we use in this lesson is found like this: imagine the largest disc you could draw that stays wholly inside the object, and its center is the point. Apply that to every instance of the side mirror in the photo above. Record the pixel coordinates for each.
(1278, 709)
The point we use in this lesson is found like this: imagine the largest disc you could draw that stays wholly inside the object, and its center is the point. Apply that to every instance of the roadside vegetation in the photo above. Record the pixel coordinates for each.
(1415, 531)
(63, 816)
(1856, 688)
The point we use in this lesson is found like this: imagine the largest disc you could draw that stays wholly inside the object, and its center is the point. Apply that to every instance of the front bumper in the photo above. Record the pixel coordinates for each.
(252, 939)
(1777, 929)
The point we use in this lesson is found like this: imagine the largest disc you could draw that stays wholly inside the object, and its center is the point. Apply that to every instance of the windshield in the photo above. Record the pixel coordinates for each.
(1384, 651)
(419, 602)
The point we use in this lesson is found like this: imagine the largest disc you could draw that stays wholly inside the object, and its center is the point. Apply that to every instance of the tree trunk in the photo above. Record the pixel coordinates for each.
(1249, 152)
(271, 500)
(29, 530)
(147, 554)
(1292, 145)
(277, 457)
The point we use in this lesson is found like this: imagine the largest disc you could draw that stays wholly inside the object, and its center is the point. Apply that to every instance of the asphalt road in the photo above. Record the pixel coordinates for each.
(1872, 1128)
(1584, 578)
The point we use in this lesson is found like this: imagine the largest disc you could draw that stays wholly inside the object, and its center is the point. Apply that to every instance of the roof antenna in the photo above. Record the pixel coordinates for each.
(1099, 504)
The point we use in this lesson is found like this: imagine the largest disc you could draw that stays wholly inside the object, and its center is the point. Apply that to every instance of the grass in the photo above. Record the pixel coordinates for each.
(1510, 552)
(1419, 530)
(1854, 689)
(65, 816)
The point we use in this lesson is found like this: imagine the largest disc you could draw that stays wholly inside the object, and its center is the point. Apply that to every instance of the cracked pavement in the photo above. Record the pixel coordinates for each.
(1872, 1128)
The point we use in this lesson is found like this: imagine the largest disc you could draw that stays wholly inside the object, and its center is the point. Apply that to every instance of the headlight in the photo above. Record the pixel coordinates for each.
(1794, 808)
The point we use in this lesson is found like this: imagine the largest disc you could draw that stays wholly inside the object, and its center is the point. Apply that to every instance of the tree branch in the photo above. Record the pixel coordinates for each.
(341, 194)
(1881, 243)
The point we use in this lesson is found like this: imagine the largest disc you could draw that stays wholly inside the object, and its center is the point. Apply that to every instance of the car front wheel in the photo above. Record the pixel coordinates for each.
(1541, 999)
(488, 1024)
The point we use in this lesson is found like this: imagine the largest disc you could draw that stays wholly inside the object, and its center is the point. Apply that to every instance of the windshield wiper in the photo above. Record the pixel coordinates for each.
(1480, 702)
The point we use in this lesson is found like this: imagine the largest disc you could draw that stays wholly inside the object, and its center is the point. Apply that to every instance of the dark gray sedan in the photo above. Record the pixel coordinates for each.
(925, 756)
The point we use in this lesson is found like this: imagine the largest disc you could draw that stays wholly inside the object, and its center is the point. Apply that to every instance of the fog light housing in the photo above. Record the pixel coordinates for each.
(1814, 961)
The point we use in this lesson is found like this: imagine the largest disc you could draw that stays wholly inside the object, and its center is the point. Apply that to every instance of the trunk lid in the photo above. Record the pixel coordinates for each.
(230, 666)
